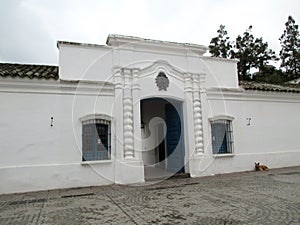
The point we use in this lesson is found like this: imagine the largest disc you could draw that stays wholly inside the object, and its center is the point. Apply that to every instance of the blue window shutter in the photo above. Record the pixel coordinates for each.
(88, 132)
(219, 139)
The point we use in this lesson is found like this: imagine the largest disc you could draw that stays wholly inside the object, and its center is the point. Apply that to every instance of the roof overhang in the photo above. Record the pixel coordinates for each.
(115, 40)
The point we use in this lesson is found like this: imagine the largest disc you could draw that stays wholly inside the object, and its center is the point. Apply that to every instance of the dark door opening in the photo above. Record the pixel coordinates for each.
(162, 151)
(163, 145)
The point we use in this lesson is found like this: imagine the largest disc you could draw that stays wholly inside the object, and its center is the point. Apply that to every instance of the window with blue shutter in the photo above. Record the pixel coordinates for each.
(222, 141)
(96, 140)
(88, 142)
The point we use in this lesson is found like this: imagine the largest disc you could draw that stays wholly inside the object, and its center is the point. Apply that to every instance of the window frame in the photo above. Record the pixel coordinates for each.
(227, 121)
(97, 122)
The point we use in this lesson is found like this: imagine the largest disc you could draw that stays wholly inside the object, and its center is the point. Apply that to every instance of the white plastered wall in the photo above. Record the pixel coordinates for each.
(38, 156)
(270, 137)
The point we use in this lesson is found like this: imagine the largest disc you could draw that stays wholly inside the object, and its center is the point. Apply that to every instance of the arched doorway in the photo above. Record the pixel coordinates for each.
(162, 137)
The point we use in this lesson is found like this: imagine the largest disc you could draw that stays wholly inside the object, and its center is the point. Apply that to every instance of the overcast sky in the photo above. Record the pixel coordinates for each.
(30, 28)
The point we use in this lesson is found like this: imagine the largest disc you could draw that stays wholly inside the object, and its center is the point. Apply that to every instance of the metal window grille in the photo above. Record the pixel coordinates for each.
(96, 140)
(222, 136)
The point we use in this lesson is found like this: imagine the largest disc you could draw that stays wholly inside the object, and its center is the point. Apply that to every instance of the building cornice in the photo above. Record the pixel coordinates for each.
(78, 44)
(219, 59)
(240, 94)
(137, 43)
(60, 87)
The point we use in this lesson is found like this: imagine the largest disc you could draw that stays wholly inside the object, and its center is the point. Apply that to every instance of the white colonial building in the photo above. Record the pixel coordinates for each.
(137, 109)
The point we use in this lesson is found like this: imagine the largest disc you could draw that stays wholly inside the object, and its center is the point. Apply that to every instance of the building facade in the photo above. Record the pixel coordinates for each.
(136, 109)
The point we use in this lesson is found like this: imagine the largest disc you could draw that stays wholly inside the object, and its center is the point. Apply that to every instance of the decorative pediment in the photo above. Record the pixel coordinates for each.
(154, 68)
(164, 67)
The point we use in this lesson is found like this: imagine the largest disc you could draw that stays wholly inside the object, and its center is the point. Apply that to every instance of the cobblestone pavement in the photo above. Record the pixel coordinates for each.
(271, 197)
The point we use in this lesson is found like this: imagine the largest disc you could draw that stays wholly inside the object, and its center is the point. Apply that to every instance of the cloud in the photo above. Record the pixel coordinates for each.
(23, 37)
(30, 28)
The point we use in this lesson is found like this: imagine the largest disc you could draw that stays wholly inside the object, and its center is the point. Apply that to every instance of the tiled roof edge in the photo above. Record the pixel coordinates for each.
(250, 85)
(31, 71)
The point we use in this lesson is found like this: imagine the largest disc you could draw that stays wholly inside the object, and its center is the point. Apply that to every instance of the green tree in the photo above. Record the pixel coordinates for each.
(252, 53)
(220, 46)
(269, 74)
(290, 49)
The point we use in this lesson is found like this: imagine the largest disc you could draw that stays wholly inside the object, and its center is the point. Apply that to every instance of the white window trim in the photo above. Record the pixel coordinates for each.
(223, 155)
(221, 117)
(96, 162)
(97, 116)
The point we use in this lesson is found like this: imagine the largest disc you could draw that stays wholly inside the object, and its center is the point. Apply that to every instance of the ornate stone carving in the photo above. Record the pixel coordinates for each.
(162, 81)
(128, 116)
(188, 84)
(118, 79)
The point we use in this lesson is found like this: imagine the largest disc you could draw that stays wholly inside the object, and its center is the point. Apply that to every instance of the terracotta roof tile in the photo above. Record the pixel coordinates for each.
(28, 71)
(250, 85)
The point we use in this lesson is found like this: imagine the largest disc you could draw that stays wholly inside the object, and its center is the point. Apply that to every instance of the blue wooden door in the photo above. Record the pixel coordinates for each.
(174, 143)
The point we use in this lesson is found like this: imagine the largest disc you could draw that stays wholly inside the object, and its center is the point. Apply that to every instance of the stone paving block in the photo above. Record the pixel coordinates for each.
(271, 197)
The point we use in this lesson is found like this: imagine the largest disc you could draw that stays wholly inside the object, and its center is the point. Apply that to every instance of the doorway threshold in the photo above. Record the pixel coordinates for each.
(153, 173)
(180, 176)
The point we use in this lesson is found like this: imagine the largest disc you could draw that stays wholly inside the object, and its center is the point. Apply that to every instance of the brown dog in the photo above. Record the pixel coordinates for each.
(260, 167)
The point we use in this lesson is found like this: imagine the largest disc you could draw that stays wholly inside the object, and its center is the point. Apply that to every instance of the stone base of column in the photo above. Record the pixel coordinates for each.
(129, 172)
(199, 165)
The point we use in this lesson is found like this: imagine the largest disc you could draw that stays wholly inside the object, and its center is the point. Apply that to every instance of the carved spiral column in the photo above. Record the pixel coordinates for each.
(128, 115)
(198, 129)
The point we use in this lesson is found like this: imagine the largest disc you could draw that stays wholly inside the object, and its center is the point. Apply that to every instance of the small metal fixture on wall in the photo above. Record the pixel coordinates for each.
(249, 121)
(51, 125)
(142, 124)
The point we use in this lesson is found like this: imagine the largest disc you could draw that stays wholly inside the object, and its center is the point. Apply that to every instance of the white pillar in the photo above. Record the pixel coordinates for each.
(128, 115)
(189, 121)
(198, 129)
(117, 126)
(129, 167)
(136, 115)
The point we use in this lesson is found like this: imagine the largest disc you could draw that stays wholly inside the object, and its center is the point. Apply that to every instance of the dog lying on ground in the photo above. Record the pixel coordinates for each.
(260, 167)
